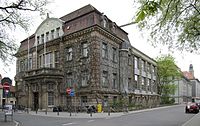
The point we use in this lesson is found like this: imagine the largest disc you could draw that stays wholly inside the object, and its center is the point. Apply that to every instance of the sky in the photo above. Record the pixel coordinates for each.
(120, 12)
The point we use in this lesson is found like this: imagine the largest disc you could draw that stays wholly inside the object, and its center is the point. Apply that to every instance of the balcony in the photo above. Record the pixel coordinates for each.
(43, 72)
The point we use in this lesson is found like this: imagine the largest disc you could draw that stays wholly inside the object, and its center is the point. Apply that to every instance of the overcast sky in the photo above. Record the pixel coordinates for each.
(119, 11)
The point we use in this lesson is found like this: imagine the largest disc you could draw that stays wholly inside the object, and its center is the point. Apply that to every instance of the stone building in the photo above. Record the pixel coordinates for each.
(194, 81)
(183, 91)
(88, 53)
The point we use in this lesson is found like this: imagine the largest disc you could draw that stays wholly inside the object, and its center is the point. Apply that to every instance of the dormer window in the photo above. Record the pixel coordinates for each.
(38, 39)
(47, 36)
(52, 34)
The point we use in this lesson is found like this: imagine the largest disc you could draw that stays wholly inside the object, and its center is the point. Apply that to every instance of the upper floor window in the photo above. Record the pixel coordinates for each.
(47, 36)
(136, 62)
(42, 38)
(105, 50)
(38, 39)
(30, 63)
(153, 70)
(85, 49)
(143, 81)
(50, 86)
(115, 81)
(84, 79)
(69, 54)
(148, 67)
(105, 79)
(49, 60)
(143, 65)
(52, 34)
(114, 56)
(58, 32)
(69, 80)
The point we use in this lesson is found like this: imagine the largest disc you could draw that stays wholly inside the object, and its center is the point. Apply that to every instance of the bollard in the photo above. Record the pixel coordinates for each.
(5, 118)
(90, 113)
(36, 111)
(58, 112)
(46, 112)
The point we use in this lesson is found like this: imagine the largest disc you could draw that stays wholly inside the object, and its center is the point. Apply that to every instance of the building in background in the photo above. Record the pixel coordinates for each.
(87, 53)
(183, 91)
(194, 81)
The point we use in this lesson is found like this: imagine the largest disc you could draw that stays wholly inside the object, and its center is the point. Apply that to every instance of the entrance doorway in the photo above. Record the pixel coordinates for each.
(35, 100)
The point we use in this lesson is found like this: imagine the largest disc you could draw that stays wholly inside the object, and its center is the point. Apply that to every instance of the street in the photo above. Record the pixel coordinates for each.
(170, 116)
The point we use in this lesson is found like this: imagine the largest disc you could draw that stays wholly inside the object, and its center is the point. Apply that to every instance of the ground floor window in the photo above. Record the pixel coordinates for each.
(50, 98)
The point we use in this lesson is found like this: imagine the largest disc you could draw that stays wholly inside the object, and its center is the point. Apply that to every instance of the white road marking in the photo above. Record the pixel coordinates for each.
(90, 120)
(67, 124)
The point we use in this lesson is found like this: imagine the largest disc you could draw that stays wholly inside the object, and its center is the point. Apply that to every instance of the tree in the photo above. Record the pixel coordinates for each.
(168, 72)
(175, 23)
(16, 14)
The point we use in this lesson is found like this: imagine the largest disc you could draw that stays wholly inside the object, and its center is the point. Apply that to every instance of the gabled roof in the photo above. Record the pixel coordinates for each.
(188, 75)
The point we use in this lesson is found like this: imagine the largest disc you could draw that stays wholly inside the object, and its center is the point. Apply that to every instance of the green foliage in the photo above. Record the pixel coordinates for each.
(16, 14)
(174, 23)
(168, 72)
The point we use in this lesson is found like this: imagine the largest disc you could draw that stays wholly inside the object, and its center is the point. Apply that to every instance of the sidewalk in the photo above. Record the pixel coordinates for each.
(93, 115)
(9, 122)
(194, 121)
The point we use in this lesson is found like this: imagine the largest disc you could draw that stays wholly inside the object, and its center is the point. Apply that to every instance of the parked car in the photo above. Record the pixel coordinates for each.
(57, 109)
(192, 107)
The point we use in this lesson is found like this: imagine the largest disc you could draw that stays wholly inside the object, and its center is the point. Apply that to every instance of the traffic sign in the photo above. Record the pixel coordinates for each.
(72, 93)
(68, 90)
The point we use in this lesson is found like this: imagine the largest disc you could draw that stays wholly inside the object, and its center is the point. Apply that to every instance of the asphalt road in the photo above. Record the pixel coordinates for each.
(172, 116)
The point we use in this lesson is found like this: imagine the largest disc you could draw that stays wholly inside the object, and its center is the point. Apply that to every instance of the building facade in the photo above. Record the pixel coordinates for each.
(88, 53)
(183, 92)
(194, 82)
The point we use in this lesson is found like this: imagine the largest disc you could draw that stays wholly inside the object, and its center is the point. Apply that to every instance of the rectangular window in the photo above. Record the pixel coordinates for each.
(105, 79)
(143, 83)
(136, 62)
(114, 56)
(47, 36)
(52, 34)
(50, 87)
(42, 38)
(104, 50)
(84, 49)
(30, 63)
(115, 81)
(153, 70)
(38, 39)
(50, 98)
(143, 65)
(41, 61)
(49, 60)
(136, 81)
(84, 79)
(69, 80)
(69, 54)
(148, 67)
(58, 32)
